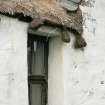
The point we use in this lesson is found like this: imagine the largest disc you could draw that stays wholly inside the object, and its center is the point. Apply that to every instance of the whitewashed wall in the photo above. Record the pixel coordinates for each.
(84, 71)
(55, 73)
(79, 77)
(13, 62)
(76, 77)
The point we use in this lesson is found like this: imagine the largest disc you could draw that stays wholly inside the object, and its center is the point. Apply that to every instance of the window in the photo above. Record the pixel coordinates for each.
(37, 69)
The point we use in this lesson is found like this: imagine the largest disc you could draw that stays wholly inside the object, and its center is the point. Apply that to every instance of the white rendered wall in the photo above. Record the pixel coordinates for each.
(77, 77)
(55, 73)
(13, 62)
(84, 71)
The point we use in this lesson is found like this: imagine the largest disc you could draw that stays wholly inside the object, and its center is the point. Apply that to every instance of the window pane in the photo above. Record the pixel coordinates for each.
(38, 59)
(29, 61)
(37, 71)
(36, 92)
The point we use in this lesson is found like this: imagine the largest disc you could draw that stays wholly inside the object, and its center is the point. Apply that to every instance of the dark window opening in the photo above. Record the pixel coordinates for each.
(37, 69)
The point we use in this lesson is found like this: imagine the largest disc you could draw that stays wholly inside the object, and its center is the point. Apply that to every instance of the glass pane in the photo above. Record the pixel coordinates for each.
(29, 60)
(38, 59)
(36, 93)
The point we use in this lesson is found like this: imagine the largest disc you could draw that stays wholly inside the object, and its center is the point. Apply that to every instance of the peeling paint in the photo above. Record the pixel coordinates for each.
(88, 3)
(91, 22)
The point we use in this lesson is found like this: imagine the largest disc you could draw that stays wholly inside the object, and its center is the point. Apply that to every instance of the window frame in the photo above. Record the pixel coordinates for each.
(42, 80)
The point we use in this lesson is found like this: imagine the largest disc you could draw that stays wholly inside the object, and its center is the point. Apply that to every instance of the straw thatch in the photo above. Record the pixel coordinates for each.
(45, 10)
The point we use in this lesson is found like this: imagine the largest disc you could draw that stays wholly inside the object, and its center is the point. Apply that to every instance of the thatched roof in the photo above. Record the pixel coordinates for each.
(46, 11)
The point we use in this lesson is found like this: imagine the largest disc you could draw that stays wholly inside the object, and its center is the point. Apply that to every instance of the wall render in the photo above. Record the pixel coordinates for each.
(84, 71)
(13, 62)
(76, 77)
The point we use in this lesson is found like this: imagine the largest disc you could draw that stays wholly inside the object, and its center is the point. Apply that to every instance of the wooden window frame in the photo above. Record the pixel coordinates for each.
(42, 80)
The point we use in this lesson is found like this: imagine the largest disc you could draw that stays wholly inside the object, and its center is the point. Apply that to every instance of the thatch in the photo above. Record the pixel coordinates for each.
(46, 11)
